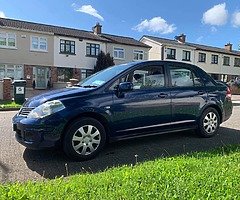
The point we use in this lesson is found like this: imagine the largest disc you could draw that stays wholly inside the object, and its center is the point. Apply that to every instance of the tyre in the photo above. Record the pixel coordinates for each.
(209, 123)
(84, 139)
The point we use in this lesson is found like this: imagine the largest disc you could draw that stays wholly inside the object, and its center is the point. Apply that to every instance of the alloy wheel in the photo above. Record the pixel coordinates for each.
(86, 140)
(210, 122)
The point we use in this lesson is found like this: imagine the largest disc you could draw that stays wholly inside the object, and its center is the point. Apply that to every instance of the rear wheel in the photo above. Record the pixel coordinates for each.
(84, 139)
(209, 123)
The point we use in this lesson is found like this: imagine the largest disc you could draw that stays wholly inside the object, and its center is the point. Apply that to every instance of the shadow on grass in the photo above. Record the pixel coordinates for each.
(53, 163)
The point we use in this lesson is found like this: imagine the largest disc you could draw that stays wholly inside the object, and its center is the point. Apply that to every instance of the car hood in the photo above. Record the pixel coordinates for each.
(56, 94)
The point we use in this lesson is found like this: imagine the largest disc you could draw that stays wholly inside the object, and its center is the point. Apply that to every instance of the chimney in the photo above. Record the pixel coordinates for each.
(97, 29)
(228, 46)
(181, 38)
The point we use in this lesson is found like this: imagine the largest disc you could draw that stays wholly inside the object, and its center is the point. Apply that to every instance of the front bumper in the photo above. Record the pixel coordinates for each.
(38, 133)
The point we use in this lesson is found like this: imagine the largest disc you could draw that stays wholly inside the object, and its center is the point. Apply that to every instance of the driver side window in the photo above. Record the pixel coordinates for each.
(150, 77)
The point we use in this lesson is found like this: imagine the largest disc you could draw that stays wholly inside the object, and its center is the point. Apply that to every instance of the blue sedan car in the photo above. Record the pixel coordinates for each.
(124, 101)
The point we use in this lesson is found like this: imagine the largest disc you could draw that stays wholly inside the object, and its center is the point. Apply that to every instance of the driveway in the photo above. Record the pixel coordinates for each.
(20, 164)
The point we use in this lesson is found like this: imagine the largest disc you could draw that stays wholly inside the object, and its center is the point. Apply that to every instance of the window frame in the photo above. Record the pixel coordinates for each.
(172, 56)
(7, 37)
(202, 55)
(70, 45)
(213, 59)
(39, 38)
(92, 46)
(12, 67)
(87, 72)
(193, 74)
(236, 65)
(118, 50)
(138, 52)
(224, 63)
(187, 55)
(128, 74)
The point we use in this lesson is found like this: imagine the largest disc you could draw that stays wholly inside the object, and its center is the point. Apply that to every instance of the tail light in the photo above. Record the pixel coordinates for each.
(229, 94)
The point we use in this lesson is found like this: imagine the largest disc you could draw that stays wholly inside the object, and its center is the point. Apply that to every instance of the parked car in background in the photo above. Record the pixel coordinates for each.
(124, 101)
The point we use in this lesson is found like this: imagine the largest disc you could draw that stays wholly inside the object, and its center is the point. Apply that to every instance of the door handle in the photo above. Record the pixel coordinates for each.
(201, 92)
(162, 95)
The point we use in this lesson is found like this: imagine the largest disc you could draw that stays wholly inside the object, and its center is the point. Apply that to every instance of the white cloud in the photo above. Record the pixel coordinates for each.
(156, 25)
(236, 19)
(216, 16)
(2, 15)
(88, 9)
(213, 29)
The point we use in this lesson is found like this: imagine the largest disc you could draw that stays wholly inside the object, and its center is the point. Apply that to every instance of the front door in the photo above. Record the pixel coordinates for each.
(146, 107)
(41, 78)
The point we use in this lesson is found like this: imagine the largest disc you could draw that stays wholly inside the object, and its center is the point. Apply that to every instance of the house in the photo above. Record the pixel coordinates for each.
(221, 63)
(47, 55)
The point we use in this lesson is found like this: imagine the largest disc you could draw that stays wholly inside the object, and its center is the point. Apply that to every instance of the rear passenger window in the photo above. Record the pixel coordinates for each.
(183, 77)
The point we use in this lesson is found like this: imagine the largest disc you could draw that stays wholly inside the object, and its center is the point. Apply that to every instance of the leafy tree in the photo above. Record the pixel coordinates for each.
(103, 61)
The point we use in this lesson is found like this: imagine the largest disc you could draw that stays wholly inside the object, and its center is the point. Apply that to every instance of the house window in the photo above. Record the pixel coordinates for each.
(214, 59)
(15, 72)
(171, 53)
(201, 57)
(138, 55)
(64, 74)
(8, 40)
(226, 60)
(92, 49)
(237, 62)
(38, 43)
(67, 47)
(118, 53)
(186, 55)
(86, 73)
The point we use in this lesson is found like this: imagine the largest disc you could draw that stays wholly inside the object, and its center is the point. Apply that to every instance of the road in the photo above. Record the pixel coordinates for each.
(20, 164)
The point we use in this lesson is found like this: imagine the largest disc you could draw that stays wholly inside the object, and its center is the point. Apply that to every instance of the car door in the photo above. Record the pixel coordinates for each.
(188, 94)
(147, 106)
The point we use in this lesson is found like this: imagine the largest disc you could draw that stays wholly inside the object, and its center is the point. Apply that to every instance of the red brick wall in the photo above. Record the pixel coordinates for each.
(7, 89)
(28, 71)
(54, 75)
(76, 73)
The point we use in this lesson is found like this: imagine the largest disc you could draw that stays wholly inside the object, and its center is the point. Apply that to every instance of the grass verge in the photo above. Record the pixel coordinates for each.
(9, 105)
(207, 175)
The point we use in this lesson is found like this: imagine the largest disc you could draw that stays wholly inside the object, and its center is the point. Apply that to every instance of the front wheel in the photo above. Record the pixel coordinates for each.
(209, 123)
(84, 139)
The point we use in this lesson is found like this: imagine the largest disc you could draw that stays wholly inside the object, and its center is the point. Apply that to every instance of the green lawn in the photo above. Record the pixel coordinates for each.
(207, 175)
(8, 104)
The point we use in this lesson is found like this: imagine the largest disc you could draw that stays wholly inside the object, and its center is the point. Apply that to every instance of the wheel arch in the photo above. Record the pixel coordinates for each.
(217, 108)
(92, 115)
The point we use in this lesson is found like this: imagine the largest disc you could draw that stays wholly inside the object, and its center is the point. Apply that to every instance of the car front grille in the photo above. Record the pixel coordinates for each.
(25, 111)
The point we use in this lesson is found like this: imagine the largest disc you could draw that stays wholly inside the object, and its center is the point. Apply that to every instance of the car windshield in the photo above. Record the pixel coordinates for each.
(104, 76)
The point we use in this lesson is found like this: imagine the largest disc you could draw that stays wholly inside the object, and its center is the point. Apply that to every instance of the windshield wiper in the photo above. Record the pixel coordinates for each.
(89, 86)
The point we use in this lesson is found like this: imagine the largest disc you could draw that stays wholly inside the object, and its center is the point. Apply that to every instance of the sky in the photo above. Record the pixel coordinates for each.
(209, 22)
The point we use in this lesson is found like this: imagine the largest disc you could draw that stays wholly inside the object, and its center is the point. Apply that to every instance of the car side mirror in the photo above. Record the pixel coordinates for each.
(125, 87)
(122, 88)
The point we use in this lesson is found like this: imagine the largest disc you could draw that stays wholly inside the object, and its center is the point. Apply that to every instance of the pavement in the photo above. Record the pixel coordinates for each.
(20, 164)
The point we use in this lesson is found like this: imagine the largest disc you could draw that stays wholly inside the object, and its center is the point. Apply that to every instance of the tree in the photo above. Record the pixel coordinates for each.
(103, 61)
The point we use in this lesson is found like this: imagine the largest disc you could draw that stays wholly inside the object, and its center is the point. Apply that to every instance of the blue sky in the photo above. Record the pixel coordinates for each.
(209, 22)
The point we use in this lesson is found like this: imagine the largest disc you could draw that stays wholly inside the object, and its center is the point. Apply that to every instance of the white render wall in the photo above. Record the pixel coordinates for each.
(129, 56)
(179, 53)
(217, 68)
(80, 60)
(155, 54)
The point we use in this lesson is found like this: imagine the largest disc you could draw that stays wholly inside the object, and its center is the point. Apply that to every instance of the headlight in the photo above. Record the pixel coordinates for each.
(46, 109)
